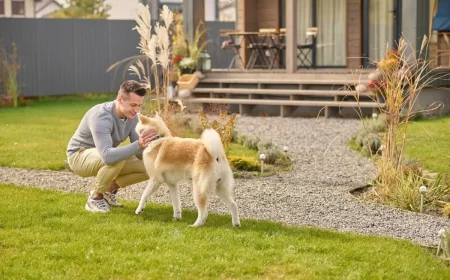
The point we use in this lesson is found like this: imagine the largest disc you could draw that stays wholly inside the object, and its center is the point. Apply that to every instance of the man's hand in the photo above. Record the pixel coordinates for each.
(146, 137)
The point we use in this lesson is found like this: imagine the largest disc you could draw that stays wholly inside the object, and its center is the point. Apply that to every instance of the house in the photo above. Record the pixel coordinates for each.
(127, 9)
(43, 8)
(17, 8)
(28, 8)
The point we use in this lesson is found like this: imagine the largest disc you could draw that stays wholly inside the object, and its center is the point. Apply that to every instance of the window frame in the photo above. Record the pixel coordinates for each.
(12, 8)
(3, 8)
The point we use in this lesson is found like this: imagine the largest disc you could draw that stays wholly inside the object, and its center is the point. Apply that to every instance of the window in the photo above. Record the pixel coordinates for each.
(18, 7)
(2, 7)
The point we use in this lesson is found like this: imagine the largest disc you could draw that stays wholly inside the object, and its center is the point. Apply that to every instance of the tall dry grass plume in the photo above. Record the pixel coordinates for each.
(397, 82)
(157, 50)
(224, 125)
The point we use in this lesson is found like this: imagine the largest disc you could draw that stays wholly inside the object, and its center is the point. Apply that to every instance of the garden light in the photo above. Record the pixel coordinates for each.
(374, 115)
(441, 235)
(422, 191)
(262, 158)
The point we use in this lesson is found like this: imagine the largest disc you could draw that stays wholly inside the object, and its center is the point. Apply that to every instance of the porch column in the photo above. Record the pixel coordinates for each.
(154, 9)
(193, 14)
(291, 36)
(415, 21)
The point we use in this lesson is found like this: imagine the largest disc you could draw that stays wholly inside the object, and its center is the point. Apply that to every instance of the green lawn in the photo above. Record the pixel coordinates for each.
(429, 142)
(36, 136)
(48, 235)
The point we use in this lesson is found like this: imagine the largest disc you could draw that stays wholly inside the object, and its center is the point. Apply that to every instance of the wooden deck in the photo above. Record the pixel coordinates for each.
(327, 92)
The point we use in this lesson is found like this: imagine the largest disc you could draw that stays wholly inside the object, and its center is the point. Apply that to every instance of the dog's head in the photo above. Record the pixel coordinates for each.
(155, 123)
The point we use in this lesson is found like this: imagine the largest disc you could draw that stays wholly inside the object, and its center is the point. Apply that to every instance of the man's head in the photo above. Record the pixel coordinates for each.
(129, 99)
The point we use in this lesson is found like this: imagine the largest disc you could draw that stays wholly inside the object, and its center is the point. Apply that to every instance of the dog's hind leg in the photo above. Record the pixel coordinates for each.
(176, 201)
(201, 201)
(224, 193)
(152, 187)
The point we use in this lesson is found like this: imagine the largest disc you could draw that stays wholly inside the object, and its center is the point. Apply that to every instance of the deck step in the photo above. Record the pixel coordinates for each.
(282, 92)
(284, 102)
(281, 81)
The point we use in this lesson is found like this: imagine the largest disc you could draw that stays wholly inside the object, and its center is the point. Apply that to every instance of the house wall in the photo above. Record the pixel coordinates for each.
(45, 7)
(29, 9)
(354, 35)
(122, 9)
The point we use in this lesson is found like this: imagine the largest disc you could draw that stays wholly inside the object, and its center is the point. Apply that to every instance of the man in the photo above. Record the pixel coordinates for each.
(94, 148)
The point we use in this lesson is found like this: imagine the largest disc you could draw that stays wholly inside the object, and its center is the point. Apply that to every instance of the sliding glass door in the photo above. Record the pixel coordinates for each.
(381, 22)
(330, 19)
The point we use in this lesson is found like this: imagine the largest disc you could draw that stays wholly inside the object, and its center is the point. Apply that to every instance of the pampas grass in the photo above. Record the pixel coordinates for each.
(157, 49)
(399, 79)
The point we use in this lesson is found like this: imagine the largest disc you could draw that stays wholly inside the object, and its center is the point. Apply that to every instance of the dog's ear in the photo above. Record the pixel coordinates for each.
(142, 118)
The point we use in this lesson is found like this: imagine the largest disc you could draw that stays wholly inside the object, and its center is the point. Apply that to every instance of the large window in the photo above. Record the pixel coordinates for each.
(330, 19)
(381, 28)
(18, 7)
(2, 7)
(331, 36)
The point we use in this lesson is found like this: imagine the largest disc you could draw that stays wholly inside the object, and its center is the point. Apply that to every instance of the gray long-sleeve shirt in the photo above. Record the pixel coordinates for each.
(101, 128)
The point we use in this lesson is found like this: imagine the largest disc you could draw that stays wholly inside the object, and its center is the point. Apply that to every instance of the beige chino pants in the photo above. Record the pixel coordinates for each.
(88, 163)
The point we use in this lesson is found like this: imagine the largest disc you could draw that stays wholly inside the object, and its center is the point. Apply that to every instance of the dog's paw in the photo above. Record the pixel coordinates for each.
(236, 225)
(196, 225)
(139, 211)
(177, 218)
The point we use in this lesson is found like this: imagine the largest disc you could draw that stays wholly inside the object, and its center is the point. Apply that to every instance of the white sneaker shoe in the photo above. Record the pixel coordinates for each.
(97, 206)
(110, 197)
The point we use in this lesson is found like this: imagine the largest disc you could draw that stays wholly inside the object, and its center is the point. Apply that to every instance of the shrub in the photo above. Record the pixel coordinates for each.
(244, 163)
(264, 145)
(272, 155)
(251, 143)
(9, 67)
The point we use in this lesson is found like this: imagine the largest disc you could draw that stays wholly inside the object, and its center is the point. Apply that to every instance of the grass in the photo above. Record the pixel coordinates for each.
(429, 143)
(49, 235)
(36, 136)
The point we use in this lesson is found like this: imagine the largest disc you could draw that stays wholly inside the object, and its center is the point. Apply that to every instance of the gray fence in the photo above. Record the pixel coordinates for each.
(67, 56)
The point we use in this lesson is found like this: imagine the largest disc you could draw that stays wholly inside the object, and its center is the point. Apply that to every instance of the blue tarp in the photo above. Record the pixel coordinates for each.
(441, 21)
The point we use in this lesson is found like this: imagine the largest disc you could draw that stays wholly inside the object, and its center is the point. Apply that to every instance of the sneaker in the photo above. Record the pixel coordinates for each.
(110, 197)
(97, 206)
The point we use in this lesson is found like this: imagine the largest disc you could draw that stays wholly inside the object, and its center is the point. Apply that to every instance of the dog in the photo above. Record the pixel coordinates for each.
(170, 159)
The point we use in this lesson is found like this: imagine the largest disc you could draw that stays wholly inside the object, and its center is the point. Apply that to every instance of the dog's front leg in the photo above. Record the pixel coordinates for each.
(176, 201)
(152, 187)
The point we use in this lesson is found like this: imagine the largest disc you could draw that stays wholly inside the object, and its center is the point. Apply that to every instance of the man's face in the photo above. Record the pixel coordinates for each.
(130, 105)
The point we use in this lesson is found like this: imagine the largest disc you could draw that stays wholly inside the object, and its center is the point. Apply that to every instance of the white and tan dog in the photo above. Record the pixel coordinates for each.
(172, 159)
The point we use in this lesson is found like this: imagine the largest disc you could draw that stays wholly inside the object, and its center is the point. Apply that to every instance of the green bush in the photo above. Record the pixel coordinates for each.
(264, 145)
(251, 143)
(244, 163)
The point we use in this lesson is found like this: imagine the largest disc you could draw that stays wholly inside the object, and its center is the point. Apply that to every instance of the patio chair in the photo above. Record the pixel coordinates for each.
(304, 50)
(232, 44)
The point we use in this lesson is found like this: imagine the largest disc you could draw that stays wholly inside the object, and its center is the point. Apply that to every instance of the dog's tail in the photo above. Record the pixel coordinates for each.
(213, 144)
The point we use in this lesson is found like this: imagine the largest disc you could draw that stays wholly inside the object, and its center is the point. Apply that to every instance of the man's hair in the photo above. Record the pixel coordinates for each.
(130, 86)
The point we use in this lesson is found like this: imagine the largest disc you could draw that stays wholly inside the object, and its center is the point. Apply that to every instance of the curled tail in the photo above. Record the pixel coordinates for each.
(213, 143)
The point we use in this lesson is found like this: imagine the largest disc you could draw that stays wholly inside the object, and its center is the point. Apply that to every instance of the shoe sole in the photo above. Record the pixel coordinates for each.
(95, 211)
(112, 204)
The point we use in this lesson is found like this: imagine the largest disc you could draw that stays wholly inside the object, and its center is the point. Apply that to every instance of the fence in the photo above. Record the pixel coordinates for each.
(67, 56)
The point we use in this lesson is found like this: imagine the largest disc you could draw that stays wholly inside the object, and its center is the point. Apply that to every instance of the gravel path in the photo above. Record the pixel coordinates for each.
(314, 194)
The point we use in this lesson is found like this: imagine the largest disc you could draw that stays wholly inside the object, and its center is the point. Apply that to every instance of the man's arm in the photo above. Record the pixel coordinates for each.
(101, 129)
